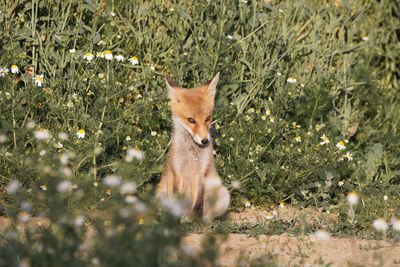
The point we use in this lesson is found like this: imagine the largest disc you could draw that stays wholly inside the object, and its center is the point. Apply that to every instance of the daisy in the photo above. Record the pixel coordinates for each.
(120, 58)
(95, 184)
(128, 138)
(325, 140)
(268, 112)
(247, 204)
(349, 156)
(282, 205)
(38, 80)
(153, 133)
(134, 60)
(298, 138)
(81, 133)
(108, 55)
(291, 80)
(88, 56)
(14, 69)
(70, 104)
(3, 71)
(100, 54)
(90, 93)
(340, 145)
(271, 119)
(263, 117)
(141, 221)
(385, 197)
(44, 187)
(341, 183)
(251, 110)
(72, 51)
(269, 216)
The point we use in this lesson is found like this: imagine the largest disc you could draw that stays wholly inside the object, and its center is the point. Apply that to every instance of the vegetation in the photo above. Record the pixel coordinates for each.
(307, 110)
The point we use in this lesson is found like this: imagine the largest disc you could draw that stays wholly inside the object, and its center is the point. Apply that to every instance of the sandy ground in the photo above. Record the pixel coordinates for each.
(301, 250)
(290, 250)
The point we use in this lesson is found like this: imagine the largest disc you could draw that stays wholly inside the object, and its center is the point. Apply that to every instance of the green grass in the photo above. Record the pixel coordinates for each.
(343, 55)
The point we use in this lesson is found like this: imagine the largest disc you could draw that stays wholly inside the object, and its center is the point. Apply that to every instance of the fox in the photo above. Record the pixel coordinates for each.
(190, 170)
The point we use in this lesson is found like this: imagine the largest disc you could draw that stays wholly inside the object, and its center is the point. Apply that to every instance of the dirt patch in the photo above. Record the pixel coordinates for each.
(300, 250)
(304, 250)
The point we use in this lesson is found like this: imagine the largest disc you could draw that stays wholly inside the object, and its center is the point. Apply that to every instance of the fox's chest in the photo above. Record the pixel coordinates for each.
(192, 163)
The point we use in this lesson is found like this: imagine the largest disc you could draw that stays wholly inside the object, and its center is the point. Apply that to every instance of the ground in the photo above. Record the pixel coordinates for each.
(302, 250)
(289, 250)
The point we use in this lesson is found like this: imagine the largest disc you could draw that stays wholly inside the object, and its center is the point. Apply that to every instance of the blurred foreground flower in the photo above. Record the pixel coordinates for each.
(133, 153)
(128, 188)
(42, 134)
(112, 180)
(12, 187)
(396, 224)
(352, 198)
(3, 71)
(380, 225)
(64, 186)
(321, 235)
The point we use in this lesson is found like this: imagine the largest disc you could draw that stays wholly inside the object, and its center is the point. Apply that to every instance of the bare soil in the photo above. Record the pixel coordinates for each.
(304, 250)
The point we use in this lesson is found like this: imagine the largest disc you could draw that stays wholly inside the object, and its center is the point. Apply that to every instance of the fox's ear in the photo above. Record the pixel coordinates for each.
(212, 86)
(173, 89)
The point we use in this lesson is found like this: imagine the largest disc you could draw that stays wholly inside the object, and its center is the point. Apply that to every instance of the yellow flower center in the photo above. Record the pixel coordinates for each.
(81, 131)
(107, 52)
(40, 79)
(341, 143)
(88, 54)
(134, 58)
(14, 66)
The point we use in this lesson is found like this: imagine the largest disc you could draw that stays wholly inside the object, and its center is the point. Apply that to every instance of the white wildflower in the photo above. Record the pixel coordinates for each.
(380, 225)
(12, 187)
(112, 180)
(64, 186)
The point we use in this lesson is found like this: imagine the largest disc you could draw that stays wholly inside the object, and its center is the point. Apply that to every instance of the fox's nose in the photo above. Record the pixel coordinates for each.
(204, 141)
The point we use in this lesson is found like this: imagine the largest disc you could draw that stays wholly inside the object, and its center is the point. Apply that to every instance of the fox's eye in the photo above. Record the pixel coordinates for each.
(192, 121)
(208, 118)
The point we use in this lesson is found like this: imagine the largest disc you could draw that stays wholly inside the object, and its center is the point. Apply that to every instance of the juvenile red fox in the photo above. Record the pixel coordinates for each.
(190, 169)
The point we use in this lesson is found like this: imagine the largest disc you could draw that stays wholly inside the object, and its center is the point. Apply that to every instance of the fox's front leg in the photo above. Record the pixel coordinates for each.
(165, 188)
(216, 198)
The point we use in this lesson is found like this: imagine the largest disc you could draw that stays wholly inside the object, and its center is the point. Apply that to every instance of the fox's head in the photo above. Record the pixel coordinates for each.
(193, 108)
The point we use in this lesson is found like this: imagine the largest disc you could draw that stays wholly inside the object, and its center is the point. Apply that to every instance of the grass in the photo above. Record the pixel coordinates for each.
(291, 73)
